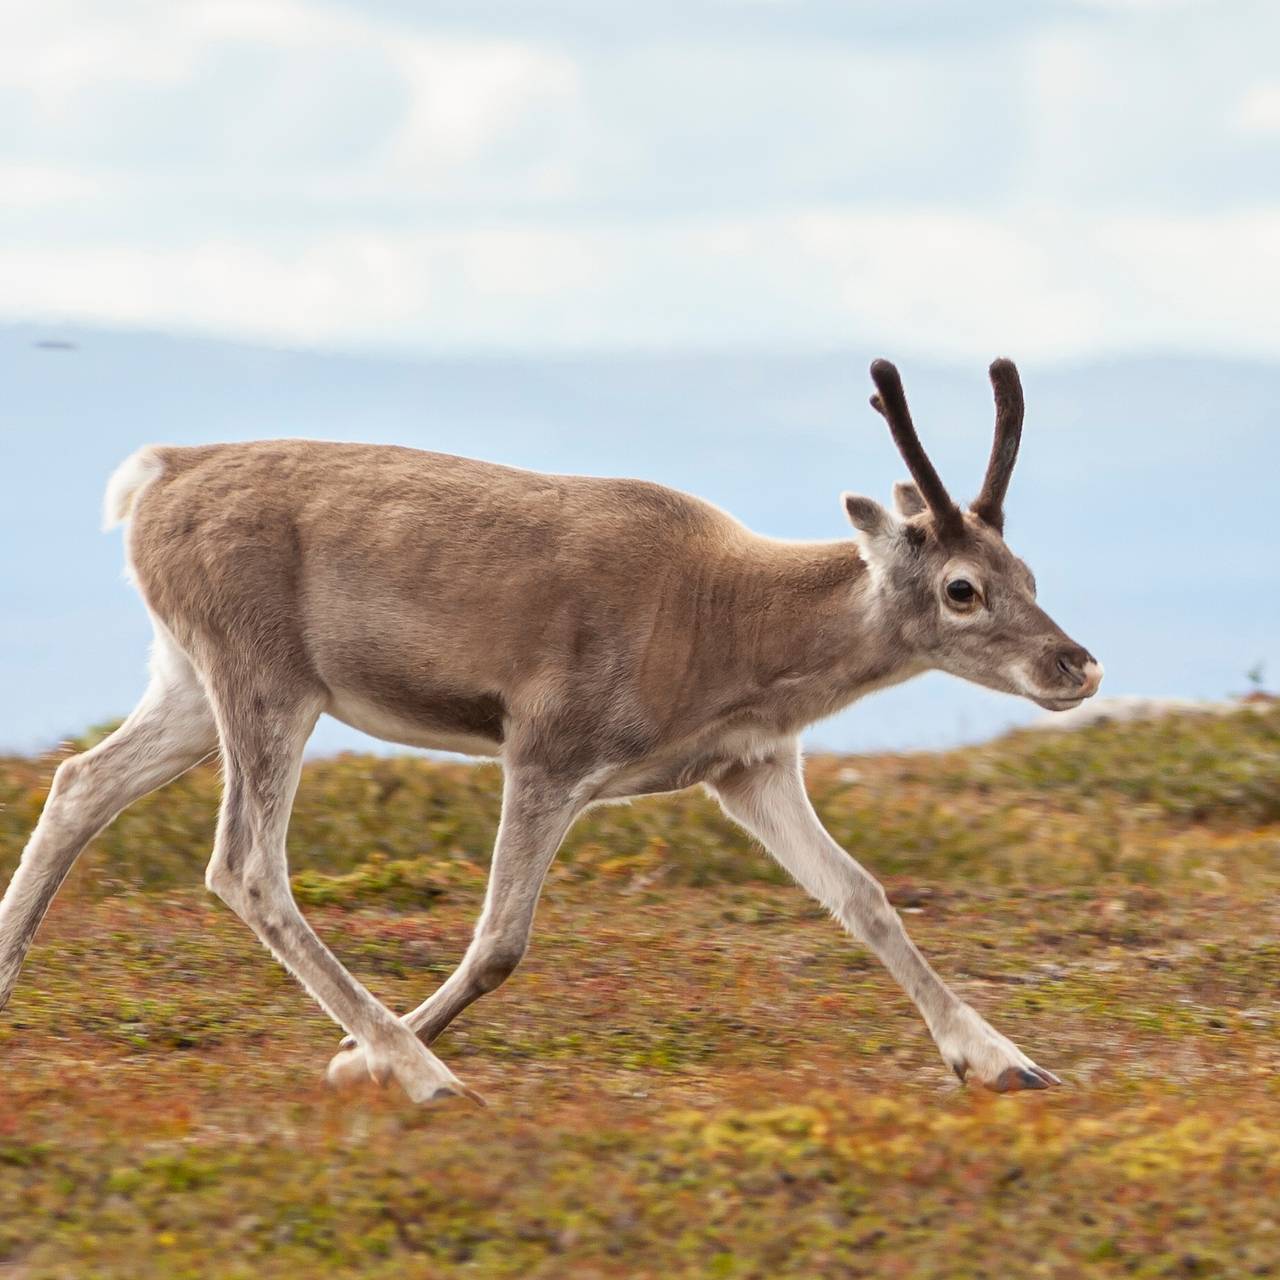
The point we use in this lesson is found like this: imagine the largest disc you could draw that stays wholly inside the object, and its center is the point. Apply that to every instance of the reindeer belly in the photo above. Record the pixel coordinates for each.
(471, 726)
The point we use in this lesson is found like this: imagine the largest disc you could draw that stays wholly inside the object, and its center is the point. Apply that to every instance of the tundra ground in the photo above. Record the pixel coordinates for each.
(694, 1073)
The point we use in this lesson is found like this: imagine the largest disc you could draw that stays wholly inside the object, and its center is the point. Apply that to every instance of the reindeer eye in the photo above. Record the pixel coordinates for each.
(961, 591)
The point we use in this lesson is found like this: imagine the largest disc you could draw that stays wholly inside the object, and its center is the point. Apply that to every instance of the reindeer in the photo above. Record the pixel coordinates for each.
(603, 638)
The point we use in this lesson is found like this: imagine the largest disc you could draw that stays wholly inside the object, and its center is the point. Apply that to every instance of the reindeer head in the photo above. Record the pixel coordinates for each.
(959, 598)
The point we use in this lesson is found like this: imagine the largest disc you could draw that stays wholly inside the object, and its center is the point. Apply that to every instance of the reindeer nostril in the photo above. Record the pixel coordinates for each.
(1070, 670)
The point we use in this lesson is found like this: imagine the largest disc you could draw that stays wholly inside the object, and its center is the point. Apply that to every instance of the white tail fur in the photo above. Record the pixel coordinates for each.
(127, 481)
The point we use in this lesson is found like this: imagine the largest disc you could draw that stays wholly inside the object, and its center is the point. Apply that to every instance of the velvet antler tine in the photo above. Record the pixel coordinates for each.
(890, 402)
(989, 504)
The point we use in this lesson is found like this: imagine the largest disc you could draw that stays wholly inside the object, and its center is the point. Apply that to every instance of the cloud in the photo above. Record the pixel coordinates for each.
(465, 97)
(1037, 285)
(155, 86)
(27, 187)
(61, 50)
(444, 289)
(1258, 111)
(372, 174)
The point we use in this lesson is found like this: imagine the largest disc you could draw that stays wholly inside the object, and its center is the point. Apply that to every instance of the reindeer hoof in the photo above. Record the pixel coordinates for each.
(1013, 1079)
(347, 1068)
(462, 1091)
(971, 1046)
(419, 1074)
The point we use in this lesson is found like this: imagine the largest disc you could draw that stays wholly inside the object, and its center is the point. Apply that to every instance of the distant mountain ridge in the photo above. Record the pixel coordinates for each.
(1143, 500)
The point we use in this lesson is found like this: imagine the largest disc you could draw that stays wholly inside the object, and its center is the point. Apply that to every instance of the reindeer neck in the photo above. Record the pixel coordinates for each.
(815, 632)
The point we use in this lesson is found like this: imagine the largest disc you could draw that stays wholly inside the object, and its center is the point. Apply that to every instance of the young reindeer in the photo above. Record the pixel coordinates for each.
(603, 638)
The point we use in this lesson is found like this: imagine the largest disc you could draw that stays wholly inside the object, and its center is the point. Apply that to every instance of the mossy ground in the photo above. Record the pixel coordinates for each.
(694, 1073)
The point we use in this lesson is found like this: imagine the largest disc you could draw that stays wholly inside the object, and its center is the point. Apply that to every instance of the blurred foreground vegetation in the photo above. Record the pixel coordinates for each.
(1138, 800)
(694, 1073)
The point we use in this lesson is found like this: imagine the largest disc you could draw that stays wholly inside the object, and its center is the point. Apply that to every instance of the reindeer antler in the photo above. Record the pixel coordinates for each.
(891, 403)
(989, 504)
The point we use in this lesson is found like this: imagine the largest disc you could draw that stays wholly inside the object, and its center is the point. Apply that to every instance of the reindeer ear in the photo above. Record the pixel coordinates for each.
(867, 515)
(907, 499)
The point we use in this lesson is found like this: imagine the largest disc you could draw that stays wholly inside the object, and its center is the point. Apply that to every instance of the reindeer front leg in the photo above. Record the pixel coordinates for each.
(768, 799)
(537, 810)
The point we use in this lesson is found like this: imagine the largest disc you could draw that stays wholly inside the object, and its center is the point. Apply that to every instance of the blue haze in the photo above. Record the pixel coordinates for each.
(1145, 500)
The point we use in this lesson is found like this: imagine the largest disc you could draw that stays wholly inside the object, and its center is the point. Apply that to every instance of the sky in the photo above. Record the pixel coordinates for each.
(952, 179)
(659, 240)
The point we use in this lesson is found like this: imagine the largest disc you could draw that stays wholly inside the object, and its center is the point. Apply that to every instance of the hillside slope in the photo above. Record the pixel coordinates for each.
(1142, 499)
(694, 1073)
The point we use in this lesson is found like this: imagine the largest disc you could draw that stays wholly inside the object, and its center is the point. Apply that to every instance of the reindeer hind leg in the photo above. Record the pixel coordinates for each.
(170, 730)
(263, 733)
